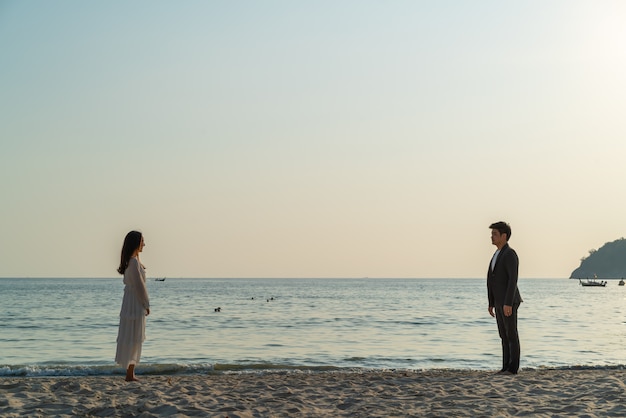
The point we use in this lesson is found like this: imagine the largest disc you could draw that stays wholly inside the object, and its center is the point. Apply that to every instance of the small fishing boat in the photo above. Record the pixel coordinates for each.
(592, 282)
(160, 280)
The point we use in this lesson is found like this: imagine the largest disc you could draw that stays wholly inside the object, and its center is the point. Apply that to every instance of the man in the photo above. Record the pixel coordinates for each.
(504, 296)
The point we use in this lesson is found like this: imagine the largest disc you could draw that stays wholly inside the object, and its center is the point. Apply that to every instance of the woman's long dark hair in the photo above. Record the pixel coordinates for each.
(131, 243)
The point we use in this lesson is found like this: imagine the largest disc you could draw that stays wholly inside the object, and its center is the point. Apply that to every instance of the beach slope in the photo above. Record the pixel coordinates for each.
(431, 393)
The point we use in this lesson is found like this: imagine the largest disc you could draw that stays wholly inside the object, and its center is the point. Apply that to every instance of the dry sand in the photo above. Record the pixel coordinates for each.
(433, 393)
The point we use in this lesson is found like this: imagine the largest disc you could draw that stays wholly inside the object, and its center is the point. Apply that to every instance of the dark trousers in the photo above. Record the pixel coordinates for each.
(507, 328)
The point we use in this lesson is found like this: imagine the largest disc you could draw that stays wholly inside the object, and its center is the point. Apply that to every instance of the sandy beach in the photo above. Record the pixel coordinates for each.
(433, 393)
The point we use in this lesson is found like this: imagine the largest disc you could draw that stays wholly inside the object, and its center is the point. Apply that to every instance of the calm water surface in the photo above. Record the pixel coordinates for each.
(69, 326)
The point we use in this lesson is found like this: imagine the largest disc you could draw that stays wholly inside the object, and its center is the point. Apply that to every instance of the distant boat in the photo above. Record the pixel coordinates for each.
(592, 282)
(160, 280)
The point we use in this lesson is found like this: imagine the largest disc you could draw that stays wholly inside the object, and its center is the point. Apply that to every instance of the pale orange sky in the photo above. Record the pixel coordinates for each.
(309, 139)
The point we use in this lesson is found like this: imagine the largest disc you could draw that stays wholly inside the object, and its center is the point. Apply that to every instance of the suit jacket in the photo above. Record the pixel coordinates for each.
(502, 280)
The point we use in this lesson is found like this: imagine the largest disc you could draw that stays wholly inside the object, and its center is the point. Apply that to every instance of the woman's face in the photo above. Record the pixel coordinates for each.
(141, 245)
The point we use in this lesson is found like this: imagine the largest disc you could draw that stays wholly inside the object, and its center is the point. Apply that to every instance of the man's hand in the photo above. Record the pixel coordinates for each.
(508, 310)
(491, 311)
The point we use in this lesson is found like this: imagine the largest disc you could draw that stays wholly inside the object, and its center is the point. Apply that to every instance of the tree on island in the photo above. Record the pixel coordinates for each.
(608, 262)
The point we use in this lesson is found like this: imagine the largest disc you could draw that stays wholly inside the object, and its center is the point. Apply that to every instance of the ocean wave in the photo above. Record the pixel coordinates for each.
(52, 370)
(47, 370)
(56, 370)
(65, 370)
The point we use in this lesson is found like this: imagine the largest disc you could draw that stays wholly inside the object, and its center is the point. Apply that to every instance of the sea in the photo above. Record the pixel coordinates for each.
(68, 326)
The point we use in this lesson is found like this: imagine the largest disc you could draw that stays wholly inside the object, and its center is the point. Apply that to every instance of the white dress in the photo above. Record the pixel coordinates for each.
(132, 331)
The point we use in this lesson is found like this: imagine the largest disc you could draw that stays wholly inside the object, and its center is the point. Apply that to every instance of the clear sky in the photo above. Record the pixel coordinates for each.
(309, 139)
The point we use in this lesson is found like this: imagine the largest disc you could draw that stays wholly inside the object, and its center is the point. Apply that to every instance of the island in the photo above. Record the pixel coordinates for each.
(608, 262)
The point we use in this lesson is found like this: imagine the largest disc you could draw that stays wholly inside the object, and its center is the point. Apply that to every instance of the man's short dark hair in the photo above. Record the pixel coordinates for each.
(502, 228)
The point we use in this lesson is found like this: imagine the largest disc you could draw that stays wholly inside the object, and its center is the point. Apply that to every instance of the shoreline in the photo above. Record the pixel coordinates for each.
(430, 393)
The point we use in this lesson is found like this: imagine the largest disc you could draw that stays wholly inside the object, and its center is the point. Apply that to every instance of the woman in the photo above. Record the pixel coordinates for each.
(135, 306)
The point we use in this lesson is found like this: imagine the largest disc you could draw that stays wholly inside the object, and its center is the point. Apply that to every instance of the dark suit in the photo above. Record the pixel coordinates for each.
(502, 290)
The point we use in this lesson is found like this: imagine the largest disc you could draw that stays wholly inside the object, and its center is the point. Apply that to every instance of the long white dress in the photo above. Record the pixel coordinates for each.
(132, 331)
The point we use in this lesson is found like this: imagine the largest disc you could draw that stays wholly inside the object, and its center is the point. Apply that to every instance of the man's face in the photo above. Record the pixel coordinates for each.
(498, 239)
